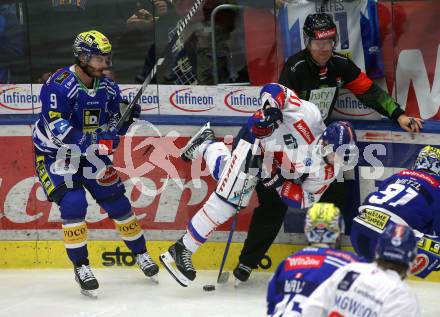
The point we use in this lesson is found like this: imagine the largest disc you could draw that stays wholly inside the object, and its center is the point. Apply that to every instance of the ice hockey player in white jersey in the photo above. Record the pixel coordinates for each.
(287, 127)
(374, 289)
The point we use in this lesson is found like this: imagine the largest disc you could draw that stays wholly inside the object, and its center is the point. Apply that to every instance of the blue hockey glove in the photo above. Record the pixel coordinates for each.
(107, 141)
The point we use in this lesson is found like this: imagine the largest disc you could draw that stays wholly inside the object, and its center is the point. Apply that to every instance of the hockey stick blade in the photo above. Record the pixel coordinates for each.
(181, 25)
(223, 278)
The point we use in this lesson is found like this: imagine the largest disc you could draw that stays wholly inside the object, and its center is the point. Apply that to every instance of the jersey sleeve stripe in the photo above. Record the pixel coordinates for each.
(360, 85)
(72, 92)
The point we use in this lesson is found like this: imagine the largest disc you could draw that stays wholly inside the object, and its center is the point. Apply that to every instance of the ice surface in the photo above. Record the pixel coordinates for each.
(125, 292)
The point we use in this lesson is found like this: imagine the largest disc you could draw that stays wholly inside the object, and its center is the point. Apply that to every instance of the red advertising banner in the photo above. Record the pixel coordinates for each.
(164, 191)
(411, 50)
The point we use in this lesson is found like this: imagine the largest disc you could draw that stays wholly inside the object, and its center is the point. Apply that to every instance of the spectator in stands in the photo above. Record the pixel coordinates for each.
(224, 25)
(165, 19)
(12, 45)
(55, 23)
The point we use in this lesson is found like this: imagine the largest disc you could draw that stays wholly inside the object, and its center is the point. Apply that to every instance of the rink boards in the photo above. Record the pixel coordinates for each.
(30, 235)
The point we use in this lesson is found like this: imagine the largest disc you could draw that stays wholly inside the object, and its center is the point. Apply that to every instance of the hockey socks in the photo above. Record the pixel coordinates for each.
(216, 154)
(213, 213)
(75, 241)
(130, 231)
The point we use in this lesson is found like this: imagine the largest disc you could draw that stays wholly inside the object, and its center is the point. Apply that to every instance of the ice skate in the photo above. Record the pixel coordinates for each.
(242, 274)
(177, 260)
(148, 266)
(205, 134)
(87, 281)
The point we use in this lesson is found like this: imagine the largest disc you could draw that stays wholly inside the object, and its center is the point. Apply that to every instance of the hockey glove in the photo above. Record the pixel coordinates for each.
(135, 114)
(292, 194)
(264, 122)
(273, 181)
(107, 141)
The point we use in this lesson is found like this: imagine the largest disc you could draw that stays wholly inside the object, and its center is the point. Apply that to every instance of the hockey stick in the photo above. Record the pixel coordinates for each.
(223, 277)
(167, 51)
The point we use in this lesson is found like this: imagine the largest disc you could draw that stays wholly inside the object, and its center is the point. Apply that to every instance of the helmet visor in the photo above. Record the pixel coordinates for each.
(100, 61)
(322, 44)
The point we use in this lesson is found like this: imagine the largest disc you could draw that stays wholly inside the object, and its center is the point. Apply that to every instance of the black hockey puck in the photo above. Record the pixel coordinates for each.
(208, 288)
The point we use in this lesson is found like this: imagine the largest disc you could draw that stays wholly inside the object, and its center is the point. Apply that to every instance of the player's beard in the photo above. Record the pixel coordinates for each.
(92, 72)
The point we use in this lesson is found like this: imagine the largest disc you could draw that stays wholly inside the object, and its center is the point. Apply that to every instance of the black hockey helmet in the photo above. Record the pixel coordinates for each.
(318, 26)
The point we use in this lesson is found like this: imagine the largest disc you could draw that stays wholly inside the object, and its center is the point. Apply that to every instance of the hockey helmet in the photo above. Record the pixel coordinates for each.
(397, 243)
(91, 43)
(428, 160)
(336, 134)
(323, 223)
(274, 95)
(319, 26)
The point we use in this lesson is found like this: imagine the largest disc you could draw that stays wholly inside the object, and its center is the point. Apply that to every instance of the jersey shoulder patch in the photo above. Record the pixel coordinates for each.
(61, 78)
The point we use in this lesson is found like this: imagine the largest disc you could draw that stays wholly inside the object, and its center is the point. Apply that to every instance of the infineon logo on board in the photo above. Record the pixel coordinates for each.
(19, 97)
(148, 100)
(185, 100)
(347, 104)
(240, 101)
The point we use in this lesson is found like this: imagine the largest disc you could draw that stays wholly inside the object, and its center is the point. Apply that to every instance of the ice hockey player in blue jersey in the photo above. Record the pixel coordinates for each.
(80, 110)
(302, 272)
(410, 197)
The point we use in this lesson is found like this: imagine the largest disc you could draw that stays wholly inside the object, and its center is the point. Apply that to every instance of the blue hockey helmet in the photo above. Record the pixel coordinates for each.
(335, 135)
(397, 243)
(428, 160)
(274, 95)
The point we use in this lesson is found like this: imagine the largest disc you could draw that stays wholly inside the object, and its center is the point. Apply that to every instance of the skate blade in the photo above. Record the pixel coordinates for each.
(154, 278)
(188, 145)
(237, 283)
(89, 293)
(167, 260)
(223, 278)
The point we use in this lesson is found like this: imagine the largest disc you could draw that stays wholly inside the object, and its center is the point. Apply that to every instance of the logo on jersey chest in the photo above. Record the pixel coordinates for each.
(303, 129)
(91, 119)
(290, 141)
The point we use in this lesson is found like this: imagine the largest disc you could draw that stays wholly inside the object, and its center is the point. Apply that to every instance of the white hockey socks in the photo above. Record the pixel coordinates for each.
(213, 213)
